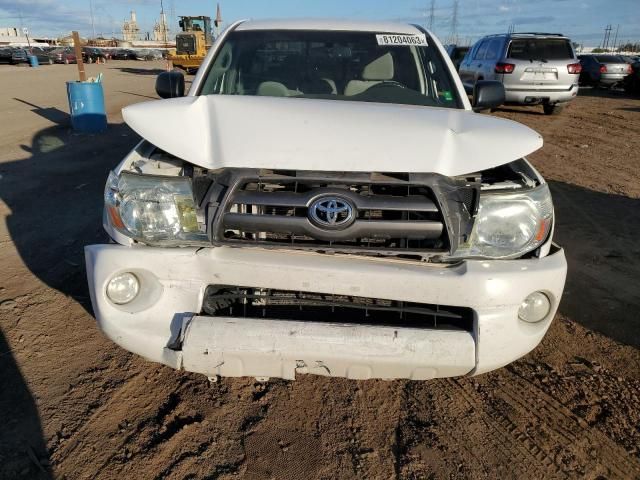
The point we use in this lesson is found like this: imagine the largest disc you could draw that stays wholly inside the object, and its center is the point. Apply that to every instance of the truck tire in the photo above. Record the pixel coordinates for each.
(550, 109)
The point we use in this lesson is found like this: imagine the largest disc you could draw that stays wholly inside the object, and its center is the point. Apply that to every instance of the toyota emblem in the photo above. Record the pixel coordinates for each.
(331, 212)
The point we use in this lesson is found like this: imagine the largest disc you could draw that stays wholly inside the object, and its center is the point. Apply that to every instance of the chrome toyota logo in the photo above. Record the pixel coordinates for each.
(332, 212)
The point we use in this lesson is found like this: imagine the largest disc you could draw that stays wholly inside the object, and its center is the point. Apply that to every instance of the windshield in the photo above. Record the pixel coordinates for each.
(540, 49)
(335, 65)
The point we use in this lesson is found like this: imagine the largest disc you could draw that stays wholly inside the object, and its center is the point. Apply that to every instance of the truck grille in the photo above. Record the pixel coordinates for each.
(392, 214)
(250, 302)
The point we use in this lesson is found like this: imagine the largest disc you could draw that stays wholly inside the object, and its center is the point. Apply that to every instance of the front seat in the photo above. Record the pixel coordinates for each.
(378, 71)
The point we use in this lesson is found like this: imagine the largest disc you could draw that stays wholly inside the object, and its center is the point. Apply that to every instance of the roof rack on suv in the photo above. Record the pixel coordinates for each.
(538, 33)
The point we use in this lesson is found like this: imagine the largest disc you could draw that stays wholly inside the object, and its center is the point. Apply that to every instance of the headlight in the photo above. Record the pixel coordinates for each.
(153, 209)
(510, 224)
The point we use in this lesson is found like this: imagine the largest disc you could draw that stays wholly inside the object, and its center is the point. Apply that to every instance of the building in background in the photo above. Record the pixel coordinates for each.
(130, 29)
(161, 29)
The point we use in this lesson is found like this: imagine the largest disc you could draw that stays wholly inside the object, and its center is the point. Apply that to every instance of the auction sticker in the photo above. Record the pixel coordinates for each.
(390, 39)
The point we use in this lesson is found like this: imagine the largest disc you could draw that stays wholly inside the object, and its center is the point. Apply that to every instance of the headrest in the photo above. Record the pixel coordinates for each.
(272, 89)
(380, 69)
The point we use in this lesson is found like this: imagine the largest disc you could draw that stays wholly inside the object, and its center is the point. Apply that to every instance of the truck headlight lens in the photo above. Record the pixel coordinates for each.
(510, 224)
(153, 209)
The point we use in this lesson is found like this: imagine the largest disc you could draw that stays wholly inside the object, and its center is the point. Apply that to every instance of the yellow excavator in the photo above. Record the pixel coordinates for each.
(193, 43)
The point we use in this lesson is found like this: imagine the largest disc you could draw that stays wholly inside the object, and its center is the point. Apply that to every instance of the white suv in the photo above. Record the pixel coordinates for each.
(324, 200)
(535, 68)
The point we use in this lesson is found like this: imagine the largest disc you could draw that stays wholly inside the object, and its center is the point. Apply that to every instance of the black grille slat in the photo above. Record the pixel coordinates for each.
(395, 214)
(373, 202)
(253, 302)
(362, 228)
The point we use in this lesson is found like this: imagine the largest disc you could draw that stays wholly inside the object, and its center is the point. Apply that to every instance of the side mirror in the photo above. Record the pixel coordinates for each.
(487, 94)
(170, 84)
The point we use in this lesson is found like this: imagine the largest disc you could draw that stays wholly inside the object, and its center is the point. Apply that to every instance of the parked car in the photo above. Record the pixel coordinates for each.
(603, 70)
(149, 54)
(19, 55)
(5, 54)
(417, 243)
(63, 55)
(630, 58)
(93, 55)
(456, 54)
(123, 54)
(535, 68)
(632, 81)
(43, 56)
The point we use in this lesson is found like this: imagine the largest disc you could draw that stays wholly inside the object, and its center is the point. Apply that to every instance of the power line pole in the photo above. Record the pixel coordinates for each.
(432, 14)
(607, 35)
(615, 38)
(93, 25)
(454, 22)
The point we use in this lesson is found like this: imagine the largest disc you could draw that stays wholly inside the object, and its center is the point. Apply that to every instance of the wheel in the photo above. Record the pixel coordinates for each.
(552, 109)
(89, 60)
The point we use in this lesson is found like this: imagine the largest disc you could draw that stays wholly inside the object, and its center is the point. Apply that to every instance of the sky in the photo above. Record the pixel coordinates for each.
(583, 20)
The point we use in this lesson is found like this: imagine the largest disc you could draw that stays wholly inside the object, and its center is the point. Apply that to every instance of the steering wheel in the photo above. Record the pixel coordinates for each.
(388, 83)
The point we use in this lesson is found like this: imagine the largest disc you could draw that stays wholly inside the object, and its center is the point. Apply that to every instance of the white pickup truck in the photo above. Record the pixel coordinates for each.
(325, 200)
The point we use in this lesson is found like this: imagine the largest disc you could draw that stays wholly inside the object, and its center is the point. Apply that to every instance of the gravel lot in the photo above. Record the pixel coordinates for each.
(75, 406)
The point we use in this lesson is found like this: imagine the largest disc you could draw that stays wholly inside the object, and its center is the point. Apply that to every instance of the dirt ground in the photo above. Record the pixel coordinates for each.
(75, 406)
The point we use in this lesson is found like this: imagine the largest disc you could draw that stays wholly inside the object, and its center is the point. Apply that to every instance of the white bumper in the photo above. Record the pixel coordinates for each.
(173, 282)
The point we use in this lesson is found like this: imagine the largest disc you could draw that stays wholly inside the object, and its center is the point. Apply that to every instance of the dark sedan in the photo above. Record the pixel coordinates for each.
(63, 55)
(456, 54)
(19, 55)
(603, 70)
(632, 82)
(93, 55)
(5, 54)
(124, 54)
(41, 54)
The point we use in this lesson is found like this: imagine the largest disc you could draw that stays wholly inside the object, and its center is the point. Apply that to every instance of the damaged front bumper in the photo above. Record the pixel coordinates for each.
(166, 324)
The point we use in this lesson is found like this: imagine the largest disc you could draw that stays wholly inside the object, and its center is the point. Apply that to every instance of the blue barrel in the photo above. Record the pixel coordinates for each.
(86, 104)
(33, 61)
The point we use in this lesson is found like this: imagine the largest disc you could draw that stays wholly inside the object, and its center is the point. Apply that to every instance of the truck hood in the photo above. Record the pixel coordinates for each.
(218, 131)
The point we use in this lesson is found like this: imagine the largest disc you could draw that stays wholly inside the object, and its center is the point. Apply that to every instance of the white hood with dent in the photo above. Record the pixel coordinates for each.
(218, 131)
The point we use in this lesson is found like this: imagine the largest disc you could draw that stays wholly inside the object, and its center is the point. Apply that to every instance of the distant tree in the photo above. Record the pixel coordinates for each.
(598, 50)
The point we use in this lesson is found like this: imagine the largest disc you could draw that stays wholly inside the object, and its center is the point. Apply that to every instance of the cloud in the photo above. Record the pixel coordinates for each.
(46, 15)
(532, 20)
(503, 8)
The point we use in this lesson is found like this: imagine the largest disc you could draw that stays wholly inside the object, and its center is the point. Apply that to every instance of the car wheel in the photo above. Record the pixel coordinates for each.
(550, 109)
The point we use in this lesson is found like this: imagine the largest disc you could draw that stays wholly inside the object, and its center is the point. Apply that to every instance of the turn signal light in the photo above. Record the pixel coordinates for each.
(603, 69)
(504, 67)
(574, 68)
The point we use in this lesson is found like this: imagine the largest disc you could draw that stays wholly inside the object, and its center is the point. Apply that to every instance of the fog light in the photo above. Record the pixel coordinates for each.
(534, 308)
(123, 288)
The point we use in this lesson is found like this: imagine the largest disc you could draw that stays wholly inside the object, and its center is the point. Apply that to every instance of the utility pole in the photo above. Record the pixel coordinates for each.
(432, 12)
(615, 38)
(454, 22)
(607, 34)
(93, 25)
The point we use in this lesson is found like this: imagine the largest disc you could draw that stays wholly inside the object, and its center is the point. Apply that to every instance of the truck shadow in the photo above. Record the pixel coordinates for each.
(55, 201)
(599, 232)
(23, 451)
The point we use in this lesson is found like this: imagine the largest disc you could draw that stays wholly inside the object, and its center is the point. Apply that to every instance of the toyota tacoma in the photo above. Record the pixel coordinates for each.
(325, 200)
